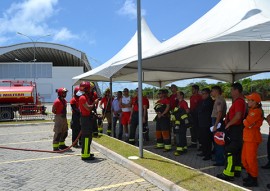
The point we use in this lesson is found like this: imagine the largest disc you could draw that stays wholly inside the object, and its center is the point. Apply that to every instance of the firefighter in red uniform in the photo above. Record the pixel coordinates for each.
(195, 100)
(75, 119)
(92, 97)
(162, 108)
(234, 134)
(105, 105)
(134, 116)
(173, 103)
(60, 120)
(87, 120)
(252, 138)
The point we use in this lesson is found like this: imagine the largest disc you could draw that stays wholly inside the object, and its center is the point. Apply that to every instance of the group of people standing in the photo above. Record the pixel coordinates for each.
(207, 115)
(241, 124)
(85, 119)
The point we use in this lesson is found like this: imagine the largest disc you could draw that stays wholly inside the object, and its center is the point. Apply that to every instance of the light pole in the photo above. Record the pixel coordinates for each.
(34, 52)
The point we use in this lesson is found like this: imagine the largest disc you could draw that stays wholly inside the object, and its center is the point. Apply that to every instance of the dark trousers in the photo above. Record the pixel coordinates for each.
(163, 132)
(133, 127)
(219, 149)
(76, 128)
(94, 126)
(87, 124)
(194, 129)
(206, 139)
(120, 132)
(75, 133)
(181, 137)
(233, 158)
(268, 148)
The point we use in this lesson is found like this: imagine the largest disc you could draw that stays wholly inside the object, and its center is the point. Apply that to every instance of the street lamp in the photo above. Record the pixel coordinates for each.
(34, 43)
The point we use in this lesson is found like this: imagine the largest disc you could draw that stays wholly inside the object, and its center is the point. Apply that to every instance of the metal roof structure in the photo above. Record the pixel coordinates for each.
(59, 55)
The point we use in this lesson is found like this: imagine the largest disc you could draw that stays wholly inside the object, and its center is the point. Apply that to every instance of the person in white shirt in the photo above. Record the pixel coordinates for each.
(125, 104)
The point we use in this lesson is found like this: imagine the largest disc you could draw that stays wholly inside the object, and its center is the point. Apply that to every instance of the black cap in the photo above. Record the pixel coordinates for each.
(173, 85)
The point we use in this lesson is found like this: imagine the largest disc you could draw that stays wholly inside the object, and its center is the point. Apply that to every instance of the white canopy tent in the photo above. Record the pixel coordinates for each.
(129, 52)
(228, 43)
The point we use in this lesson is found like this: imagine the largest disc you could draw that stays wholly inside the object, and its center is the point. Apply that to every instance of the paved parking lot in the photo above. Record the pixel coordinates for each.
(24, 170)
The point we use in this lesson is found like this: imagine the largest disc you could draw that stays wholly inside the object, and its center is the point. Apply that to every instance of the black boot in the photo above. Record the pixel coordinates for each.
(247, 179)
(267, 166)
(62, 147)
(252, 182)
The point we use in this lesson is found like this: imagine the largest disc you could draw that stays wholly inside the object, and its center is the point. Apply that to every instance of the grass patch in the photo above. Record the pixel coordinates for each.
(182, 176)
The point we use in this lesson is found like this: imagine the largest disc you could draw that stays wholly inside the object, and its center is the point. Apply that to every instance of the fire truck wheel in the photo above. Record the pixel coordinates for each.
(6, 114)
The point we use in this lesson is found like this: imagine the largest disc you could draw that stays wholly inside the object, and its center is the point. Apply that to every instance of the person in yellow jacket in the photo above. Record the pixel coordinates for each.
(252, 138)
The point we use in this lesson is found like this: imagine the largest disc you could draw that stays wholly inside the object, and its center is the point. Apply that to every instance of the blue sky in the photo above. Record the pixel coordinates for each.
(100, 28)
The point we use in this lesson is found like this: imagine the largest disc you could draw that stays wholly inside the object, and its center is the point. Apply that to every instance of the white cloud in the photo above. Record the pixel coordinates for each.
(130, 9)
(64, 34)
(31, 17)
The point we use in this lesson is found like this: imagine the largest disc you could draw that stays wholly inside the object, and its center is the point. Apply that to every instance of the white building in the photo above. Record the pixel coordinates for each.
(50, 65)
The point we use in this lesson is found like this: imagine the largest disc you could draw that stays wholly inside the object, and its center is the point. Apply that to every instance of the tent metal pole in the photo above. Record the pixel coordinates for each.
(140, 78)
(249, 56)
(111, 100)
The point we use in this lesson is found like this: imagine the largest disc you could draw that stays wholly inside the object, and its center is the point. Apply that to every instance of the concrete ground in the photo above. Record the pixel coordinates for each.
(24, 170)
(22, 138)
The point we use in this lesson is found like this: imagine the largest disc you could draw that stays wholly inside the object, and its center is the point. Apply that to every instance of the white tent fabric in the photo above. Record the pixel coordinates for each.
(228, 43)
(129, 51)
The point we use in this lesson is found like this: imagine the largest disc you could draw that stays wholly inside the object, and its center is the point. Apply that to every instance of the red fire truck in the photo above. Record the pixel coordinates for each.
(21, 97)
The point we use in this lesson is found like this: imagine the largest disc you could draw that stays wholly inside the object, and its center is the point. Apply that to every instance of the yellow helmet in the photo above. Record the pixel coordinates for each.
(92, 84)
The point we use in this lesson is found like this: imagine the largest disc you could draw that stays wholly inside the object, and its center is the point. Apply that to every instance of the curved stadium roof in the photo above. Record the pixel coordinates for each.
(58, 54)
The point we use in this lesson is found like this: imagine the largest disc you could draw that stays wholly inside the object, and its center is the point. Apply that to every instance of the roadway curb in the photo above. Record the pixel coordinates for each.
(150, 176)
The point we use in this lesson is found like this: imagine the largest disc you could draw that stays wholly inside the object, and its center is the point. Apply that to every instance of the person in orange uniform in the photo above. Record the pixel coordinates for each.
(234, 134)
(87, 120)
(252, 138)
(75, 119)
(105, 105)
(60, 120)
(134, 116)
(162, 108)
